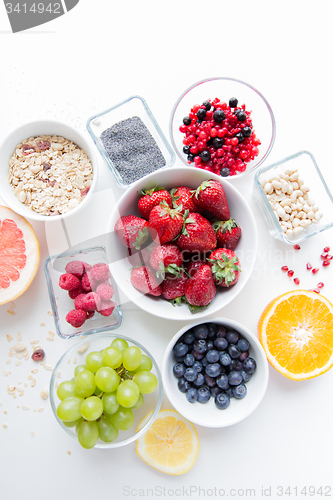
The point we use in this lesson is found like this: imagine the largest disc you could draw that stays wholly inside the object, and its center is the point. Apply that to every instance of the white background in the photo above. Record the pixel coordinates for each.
(92, 58)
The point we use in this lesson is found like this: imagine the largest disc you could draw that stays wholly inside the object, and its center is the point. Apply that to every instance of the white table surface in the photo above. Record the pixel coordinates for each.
(92, 58)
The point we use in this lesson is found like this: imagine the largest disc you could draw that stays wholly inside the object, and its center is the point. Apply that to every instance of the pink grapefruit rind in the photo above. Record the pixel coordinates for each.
(32, 255)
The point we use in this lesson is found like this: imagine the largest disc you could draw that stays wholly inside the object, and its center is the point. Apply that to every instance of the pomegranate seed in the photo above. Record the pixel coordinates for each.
(315, 270)
(38, 355)
(308, 266)
(329, 257)
(297, 247)
(284, 268)
(315, 290)
(324, 256)
(290, 273)
(326, 263)
(327, 249)
(296, 280)
(320, 284)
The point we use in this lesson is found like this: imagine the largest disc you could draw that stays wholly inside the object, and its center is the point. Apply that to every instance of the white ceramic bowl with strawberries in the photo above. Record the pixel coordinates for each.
(121, 266)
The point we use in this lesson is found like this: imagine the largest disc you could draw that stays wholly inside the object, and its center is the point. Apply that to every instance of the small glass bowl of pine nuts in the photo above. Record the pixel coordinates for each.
(293, 197)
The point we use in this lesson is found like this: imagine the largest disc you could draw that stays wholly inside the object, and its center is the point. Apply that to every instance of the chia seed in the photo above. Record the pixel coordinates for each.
(132, 149)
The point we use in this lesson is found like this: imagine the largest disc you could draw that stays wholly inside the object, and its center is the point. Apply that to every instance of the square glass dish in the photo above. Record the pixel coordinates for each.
(130, 141)
(294, 198)
(62, 303)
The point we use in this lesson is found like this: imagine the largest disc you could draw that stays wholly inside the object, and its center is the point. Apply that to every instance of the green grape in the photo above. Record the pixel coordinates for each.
(146, 381)
(85, 383)
(107, 431)
(128, 393)
(97, 391)
(123, 419)
(92, 408)
(87, 434)
(70, 409)
(73, 423)
(78, 369)
(121, 344)
(110, 402)
(132, 358)
(146, 364)
(112, 357)
(139, 402)
(107, 379)
(67, 389)
(94, 361)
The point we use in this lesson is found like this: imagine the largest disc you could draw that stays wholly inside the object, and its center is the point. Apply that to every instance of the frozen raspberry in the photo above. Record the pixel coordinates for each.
(74, 293)
(78, 301)
(91, 301)
(106, 307)
(88, 283)
(100, 272)
(75, 267)
(90, 314)
(38, 355)
(76, 317)
(68, 281)
(105, 291)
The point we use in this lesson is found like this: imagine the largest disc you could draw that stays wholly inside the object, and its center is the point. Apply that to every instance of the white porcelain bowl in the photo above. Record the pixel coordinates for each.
(208, 415)
(117, 254)
(34, 129)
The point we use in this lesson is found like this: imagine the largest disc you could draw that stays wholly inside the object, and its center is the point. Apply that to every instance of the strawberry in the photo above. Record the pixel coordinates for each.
(139, 257)
(210, 196)
(193, 266)
(173, 288)
(227, 233)
(166, 259)
(166, 221)
(144, 279)
(132, 231)
(184, 196)
(197, 234)
(225, 267)
(152, 197)
(200, 289)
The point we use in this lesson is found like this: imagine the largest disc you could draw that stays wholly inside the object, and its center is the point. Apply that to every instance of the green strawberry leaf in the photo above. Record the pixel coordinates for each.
(143, 192)
(174, 270)
(141, 238)
(177, 301)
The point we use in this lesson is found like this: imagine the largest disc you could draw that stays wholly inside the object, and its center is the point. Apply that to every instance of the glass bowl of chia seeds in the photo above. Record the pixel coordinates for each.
(130, 141)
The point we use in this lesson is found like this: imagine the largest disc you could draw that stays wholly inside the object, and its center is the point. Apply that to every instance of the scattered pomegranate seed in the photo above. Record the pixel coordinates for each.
(326, 263)
(284, 268)
(315, 270)
(290, 273)
(324, 256)
(296, 281)
(327, 249)
(315, 290)
(320, 284)
(308, 266)
(329, 257)
(297, 247)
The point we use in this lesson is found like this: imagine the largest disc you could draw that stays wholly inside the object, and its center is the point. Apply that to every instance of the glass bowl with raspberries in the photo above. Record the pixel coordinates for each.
(83, 295)
(215, 372)
(222, 125)
(183, 244)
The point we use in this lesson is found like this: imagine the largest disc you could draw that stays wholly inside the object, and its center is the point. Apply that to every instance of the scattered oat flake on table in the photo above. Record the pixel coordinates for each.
(5, 426)
(69, 452)
(10, 311)
(83, 348)
(42, 324)
(17, 363)
(9, 337)
(32, 434)
(25, 407)
(44, 394)
(50, 313)
(19, 336)
(40, 409)
(8, 361)
(34, 371)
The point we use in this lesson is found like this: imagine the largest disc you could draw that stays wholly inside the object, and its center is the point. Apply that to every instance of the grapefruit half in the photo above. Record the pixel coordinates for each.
(19, 255)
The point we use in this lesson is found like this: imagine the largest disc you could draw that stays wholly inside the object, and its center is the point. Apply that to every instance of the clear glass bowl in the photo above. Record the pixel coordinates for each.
(224, 88)
(133, 106)
(310, 173)
(61, 303)
(152, 402)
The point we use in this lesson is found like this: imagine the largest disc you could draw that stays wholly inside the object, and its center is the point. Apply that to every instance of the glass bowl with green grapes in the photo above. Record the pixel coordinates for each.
(106, 391)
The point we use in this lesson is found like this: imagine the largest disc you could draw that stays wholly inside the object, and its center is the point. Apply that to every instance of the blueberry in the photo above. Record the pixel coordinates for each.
(239, 391)
(219, 115)
(243, 356)
(221, 331)
(192, 395)
(230, 392)
(190, 158)
(204, 362)
(213, 370)
(223, 381)
(243, 344)
(235, 378)
(212, 330)
(201, 114)
(179, 370)
(198, 355)
(210, 345)
(189, 359)
(220, 343)
(234, 351)
(222, 401)
(203, 394)
(205, 155)
(225, 172)
(179, 359)
(197, 365)
(236, 365)
(186, 150)
(233, 102)
(232, 336)
(210, 381)
(183, 385)
(187, 120)
(207, 105)
(180, 349)
(200, 346)
(225, 359)
(249, 365)
(200, 332)
(240, 137)
(246, 131)
(188, 337)
(241, 115)
(215, 391)
(212, 356)
(200, 380)
(190, 374)
(246, 376)
(217, 142)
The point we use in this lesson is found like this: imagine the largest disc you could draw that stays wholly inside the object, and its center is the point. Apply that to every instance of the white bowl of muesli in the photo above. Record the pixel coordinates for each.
(49, 170)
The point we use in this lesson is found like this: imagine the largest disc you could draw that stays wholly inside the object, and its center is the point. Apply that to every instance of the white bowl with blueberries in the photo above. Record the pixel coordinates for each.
(215, 372)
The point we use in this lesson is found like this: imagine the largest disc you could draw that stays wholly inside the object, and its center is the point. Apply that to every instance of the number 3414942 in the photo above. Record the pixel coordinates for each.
(35, 8)
(311, 491)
